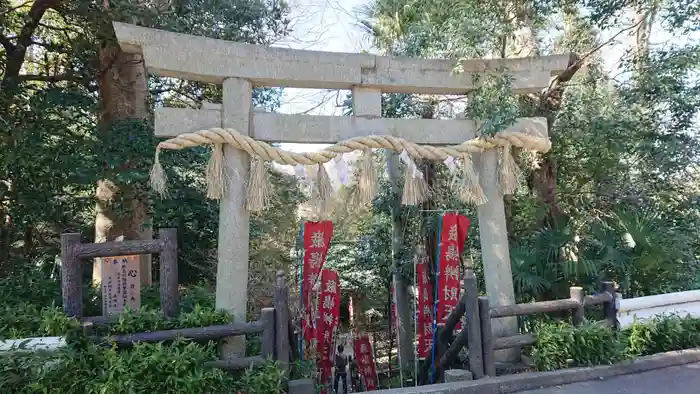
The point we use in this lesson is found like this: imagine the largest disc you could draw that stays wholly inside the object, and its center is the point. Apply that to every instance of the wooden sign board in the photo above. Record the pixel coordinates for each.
(121, 284)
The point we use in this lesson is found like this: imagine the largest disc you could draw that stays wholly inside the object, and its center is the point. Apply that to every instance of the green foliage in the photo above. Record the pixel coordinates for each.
(145, 368)
(267, 379)
(561, 345)
(663, 334)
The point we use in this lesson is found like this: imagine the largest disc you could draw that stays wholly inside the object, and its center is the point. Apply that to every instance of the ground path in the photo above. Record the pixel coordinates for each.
(682, 379)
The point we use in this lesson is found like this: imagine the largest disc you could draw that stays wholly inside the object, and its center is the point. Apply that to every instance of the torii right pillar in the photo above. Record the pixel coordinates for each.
(495, 252)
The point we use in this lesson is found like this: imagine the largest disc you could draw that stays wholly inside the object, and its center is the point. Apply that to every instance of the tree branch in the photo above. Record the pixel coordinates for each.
(51, 78)
(16, 56)
(567, 74)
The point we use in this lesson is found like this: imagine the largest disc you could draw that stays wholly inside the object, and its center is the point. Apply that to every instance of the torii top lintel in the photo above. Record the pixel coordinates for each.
(209, 60)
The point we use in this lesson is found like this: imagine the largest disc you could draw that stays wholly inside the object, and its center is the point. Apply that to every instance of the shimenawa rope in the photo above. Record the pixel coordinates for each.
(508, 177)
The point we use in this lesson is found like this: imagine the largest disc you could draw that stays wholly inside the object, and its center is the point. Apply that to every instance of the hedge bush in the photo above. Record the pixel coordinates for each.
(561, 345)
(85, 367)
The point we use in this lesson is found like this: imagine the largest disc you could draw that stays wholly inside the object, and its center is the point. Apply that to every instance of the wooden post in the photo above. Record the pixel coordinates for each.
(282, 346)
(486, 337)
(294, 345)
(476, 362)
(169, 295)
(71, 276)
(610, 307)
(577, 314)
(267, 339)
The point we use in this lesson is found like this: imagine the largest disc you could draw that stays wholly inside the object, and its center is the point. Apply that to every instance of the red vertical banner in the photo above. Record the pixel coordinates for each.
(365, 361)
(453, 233)
(424, 318)
(327, 322)
(317, 239)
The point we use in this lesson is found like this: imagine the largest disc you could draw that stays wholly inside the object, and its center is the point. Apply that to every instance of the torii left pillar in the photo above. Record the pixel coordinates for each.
(234, 219)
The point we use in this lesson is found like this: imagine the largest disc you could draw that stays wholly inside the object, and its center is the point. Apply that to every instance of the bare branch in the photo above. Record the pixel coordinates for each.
(575, 66)
(52, 78)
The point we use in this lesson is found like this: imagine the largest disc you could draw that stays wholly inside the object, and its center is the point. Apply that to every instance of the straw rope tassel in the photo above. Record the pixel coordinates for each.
(158, 176)
(258, 186)
(215, 172)
(415, 188)
(324, 190)
(367, 177)
(509, 173)
(470, 190)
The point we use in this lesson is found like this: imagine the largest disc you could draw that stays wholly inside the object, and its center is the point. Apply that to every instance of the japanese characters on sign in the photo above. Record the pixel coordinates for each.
(121, 284)
(453, 234)
(424, 318)
(327, 321)
(365, 361)
(317, 239)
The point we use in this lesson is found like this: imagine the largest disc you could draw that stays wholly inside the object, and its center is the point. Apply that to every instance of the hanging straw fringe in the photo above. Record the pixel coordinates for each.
(258, 186)
(470, 190)
(367, 177)
(415, 188)
(158, 176)
(509, 172)
(215, 173)
(323, 191)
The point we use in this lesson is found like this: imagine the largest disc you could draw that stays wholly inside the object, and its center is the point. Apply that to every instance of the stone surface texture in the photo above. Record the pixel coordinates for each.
(209, 60)
(234, 219)
(681, 379)
(457, 375)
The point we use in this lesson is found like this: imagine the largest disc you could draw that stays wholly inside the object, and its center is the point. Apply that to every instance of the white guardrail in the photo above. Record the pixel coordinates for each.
(32, 344)
(681, 303)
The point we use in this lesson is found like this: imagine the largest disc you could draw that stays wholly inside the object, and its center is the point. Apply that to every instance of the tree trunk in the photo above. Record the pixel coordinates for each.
(403, 310)
(544, 177)
(121, 211)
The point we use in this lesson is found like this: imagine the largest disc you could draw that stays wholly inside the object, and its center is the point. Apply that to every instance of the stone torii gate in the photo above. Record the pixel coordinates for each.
(239, 67)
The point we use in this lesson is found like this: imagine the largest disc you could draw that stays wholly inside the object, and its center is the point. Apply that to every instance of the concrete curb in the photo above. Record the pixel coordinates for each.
(536, 380)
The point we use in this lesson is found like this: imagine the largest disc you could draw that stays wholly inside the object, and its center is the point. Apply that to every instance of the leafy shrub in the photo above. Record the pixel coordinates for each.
(561, 345)
(26, 320)
(662, 334)
(268, 378)
(84, 367)
(145, 368)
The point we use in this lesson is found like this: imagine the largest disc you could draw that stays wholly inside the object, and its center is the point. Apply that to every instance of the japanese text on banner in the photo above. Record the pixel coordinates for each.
(424, 318)
(453, 234)
(365, 361)
(317, 239)
(328, 320)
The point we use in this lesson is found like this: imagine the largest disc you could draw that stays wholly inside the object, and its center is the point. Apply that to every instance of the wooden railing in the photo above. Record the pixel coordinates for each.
(73, 251)
(273, 326)
(478, 337)
(576, 303)
(470, 336)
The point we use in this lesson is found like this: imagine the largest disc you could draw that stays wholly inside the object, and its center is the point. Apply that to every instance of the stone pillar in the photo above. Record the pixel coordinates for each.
(232, 267)
(494, 249)
(457, 375)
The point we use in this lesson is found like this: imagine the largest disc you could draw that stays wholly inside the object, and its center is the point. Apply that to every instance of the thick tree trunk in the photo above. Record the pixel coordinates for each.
(15, 55)
(403, 310)
(122, 211)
